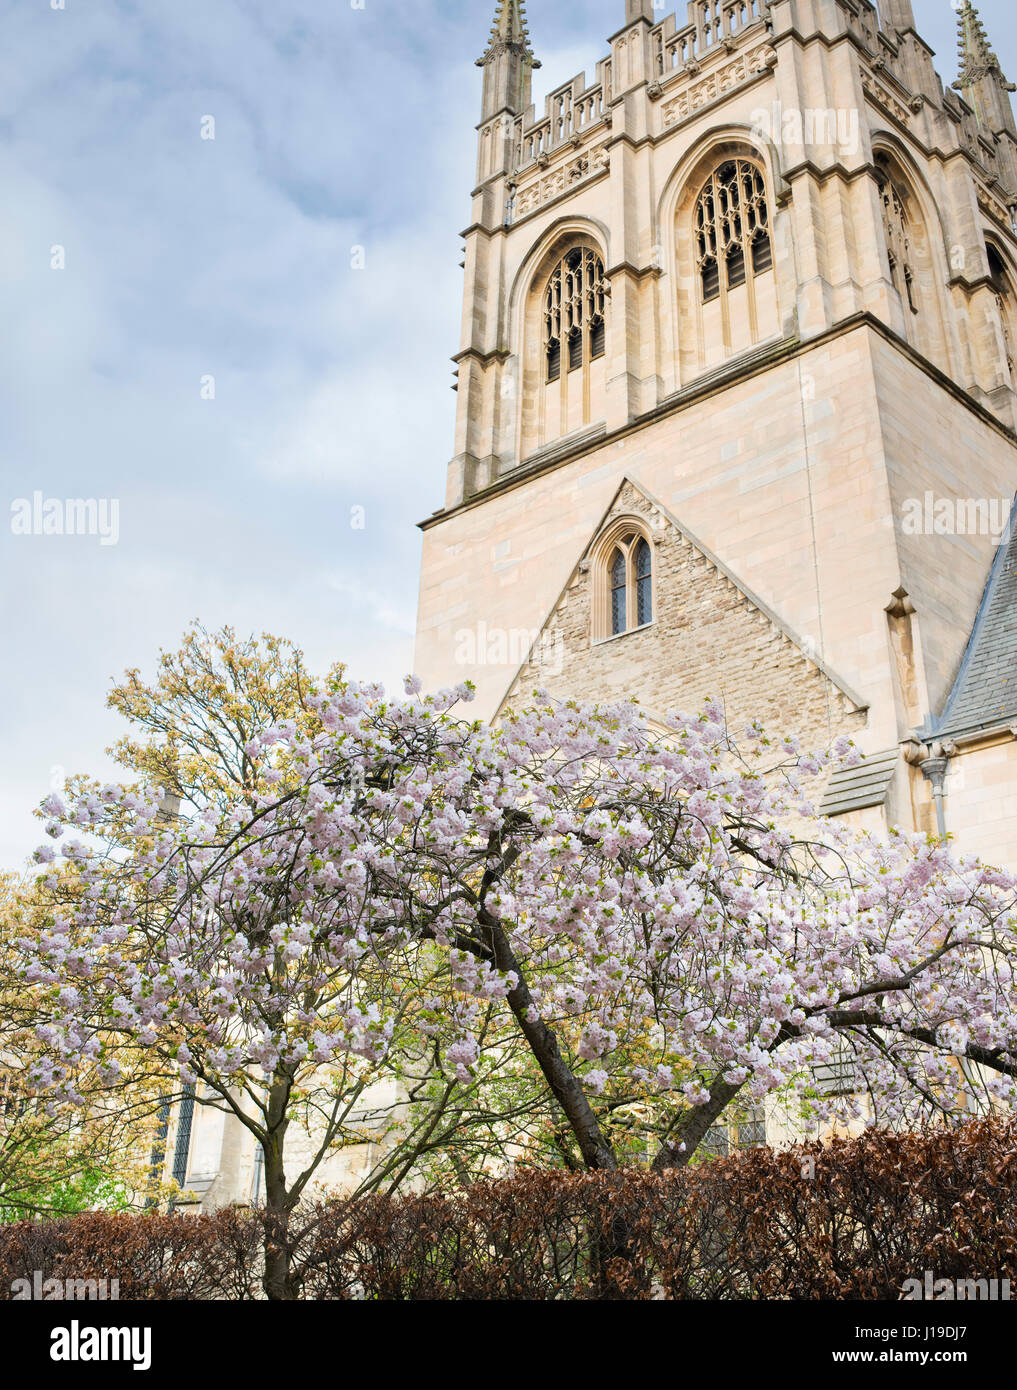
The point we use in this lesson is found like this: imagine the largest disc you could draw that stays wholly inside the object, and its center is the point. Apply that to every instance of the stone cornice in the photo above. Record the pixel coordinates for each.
(639, 272)
(484, 358)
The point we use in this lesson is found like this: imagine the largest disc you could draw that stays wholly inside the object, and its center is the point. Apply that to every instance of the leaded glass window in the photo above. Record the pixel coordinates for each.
(732, 228)
(628, 581)
(644, 584)
(182, 1147)
(619, 568)
(575, 311)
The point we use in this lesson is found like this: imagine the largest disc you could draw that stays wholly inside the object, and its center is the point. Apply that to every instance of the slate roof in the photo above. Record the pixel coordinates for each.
(985, 691)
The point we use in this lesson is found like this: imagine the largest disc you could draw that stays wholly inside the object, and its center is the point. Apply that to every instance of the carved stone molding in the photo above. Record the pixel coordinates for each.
(883, 98)
(719, 82)
(994, 207)
(565, 176)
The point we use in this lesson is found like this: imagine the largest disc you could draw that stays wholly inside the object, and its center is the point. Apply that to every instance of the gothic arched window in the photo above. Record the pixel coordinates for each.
(726, 270)
(732, 229)
(625, 584)
(897, 230)
(574, 307)
(565, 382)
(644, 583)
(1002, 288)
(912, 232)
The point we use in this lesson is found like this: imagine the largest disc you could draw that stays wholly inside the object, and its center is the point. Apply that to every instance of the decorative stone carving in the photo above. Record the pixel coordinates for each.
(565, 175)
(883, 98)
(994, 207)
(719, 82)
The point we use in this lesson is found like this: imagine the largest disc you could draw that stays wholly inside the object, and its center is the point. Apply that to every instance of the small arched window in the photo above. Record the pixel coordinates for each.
(619, 606)
(732, 228)
(626, 585)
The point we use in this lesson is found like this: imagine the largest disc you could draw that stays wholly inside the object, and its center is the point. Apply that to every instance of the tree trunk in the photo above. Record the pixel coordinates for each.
(278, 1281)
(594, 1147)
(690, 1132)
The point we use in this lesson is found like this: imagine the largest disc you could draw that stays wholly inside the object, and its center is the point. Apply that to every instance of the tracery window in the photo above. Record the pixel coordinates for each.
(897, 230)
(732, 229)
(629, 583)
(565, 350)
(1003, 291)
(574, 309)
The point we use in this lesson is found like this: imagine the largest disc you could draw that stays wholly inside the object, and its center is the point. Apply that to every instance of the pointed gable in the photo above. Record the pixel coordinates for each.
(709, 637)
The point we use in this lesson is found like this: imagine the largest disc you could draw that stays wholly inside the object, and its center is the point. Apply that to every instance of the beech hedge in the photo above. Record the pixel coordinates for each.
(851, 1219)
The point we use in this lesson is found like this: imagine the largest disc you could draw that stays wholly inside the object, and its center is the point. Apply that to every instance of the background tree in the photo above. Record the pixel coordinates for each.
(56, 1160)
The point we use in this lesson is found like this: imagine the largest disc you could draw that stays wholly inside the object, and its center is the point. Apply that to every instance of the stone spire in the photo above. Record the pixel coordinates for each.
(640, 9)
(508, 62)
(981, 79)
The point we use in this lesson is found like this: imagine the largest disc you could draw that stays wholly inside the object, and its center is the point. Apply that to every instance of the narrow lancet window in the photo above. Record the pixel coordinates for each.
(644, 584)
(619, 567)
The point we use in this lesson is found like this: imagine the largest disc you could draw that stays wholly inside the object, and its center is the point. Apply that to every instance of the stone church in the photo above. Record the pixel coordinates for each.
(737, 414)
(736, 395)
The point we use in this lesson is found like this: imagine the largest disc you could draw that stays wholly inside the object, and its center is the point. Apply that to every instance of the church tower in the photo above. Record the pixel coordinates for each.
(736, 387)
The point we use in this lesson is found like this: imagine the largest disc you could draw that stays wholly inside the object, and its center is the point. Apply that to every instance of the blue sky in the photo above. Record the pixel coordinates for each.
(186, 258)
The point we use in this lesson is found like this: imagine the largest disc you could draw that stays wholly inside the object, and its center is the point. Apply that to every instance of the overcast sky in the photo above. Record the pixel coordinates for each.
(232, 258)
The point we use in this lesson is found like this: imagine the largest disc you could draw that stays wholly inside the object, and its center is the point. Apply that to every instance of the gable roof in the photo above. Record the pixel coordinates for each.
(805, 646)
(985, 690)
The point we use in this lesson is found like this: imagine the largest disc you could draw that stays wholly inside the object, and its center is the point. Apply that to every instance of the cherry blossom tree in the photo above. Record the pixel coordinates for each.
(588, 877)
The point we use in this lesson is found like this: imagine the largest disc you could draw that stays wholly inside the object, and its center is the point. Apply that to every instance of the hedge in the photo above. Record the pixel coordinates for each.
(853, 1219)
